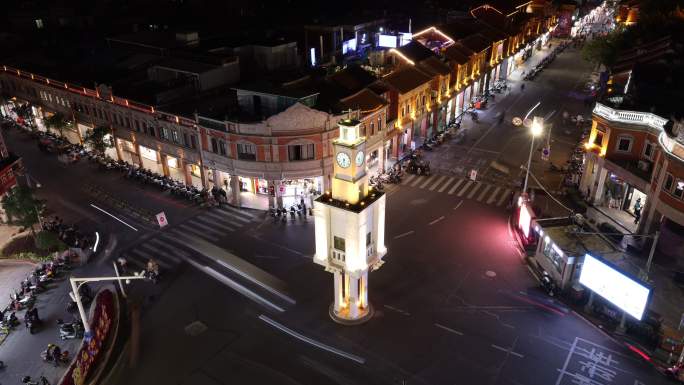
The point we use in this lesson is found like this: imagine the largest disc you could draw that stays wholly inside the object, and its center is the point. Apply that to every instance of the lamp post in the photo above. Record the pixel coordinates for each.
(536, 130)
(76, 284)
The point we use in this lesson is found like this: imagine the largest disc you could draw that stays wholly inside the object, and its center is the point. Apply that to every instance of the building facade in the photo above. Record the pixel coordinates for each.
(638, 156)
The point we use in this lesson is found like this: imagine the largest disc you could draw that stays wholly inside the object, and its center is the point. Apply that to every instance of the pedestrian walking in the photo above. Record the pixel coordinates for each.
(522, 87)
(123, 264)
(637, 211)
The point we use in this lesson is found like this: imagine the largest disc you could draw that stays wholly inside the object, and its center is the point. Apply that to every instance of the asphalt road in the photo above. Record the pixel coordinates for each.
(454, 302)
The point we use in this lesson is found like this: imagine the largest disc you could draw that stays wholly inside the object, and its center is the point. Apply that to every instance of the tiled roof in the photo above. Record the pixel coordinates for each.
(416, 51)
(352, 79)
(456, 54)
(434, 66)
(406, 79)
(364, 100)
(476, 43)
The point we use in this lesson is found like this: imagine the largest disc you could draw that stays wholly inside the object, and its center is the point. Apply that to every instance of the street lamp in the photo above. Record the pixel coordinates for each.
(76, 284)
(536, 130)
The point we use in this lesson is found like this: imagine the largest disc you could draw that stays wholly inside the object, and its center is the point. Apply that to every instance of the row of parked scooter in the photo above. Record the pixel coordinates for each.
(545, 61)
(69, 234)
(435, 140)
(394, 176)
(24, 299)
(295, 211)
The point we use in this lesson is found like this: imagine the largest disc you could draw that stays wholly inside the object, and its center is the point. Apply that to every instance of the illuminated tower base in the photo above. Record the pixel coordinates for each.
(350, 306)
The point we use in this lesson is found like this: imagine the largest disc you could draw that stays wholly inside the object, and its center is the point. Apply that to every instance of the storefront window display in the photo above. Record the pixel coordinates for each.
(623, 196)
(553, 253)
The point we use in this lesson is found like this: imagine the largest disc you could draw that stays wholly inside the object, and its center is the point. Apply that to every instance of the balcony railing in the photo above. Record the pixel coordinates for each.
(631, 117)
(338, 255)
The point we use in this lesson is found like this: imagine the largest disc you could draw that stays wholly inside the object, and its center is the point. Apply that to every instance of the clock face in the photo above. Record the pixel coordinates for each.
(359, 158)
(343, 160)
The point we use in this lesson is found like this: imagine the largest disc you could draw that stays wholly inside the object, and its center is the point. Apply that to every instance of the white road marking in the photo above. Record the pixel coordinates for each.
(415, 182)
(134, 229)
(428, 180)
(503, 197)
(436, 220)
(403, 312)
(238, 212)
(458, 205)
(434, 186)
(188, 229)
(567, 361)
(463, 190)
(508, 351)
(451, 191)
(493, 197)
(310, 341)
(447, 183)
(408, 179)
(482, 194)
(197, 223)
(472, 192)
(214, 223)
(403, 234)
(450, 330)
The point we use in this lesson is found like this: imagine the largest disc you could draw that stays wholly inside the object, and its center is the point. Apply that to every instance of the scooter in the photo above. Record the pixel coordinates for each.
(547, 284)
(71, 330)
(63, 357)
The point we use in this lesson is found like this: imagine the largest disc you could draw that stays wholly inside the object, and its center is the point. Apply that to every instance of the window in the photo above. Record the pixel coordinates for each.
(39, 23)
(214, 146)
(403, 111)
(598, 140)
(128, 123)
(151, 132)
(137, 126)
(186, 140)
(338, 243)
(222, 148)
(669, 181)
(368, 239)
(624, 143)
(649, 150)
(300, 152)
(174, 136)
(379, 124)
(193, 141)
(372, 130)
(678, 188)
(163, 133)
(246, 151)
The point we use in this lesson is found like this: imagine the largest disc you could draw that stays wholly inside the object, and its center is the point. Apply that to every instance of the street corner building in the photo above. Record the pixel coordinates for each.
(10, 167)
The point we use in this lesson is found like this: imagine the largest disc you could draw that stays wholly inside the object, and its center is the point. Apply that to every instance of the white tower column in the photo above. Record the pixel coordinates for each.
(363, 290)
(353, 296)
(339, 290)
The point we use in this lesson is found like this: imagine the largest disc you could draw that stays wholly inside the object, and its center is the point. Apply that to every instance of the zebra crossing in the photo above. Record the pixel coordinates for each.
(167, 247)
(460, 187)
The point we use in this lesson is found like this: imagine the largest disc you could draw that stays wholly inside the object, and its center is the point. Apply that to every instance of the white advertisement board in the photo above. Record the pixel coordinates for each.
(388, 41)
(620, 290)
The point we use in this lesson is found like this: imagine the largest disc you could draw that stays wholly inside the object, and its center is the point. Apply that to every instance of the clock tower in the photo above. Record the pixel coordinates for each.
(350, 227)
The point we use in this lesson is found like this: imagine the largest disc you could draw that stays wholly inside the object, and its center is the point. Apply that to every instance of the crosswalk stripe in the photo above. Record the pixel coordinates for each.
(482, 194)
(147, 256)
(196, 223)
(225, 218)
(460, 181)
(446, 184)
(408, 179)
(492, 198)
(415, 182)
(166, 254)
(228, 214)
(213, 222)
(171, 250)
(463, 190)
(503, 197)
(194, 232)
(475, 188)
(427, 181)
(238, 212)
(434, 186)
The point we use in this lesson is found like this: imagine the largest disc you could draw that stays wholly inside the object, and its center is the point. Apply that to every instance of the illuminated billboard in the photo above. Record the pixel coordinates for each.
(349, 46)
(525, 220)
(620, 290)
(388, 41)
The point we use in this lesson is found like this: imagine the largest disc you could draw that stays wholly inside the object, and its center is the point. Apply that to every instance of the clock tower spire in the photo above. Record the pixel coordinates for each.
(350, 227)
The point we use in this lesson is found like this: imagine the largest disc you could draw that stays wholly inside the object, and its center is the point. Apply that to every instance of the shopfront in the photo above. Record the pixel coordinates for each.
(289, 191)
(149, 158)
(621, 195)
(128, 153)
(175, 169)
(196, 176)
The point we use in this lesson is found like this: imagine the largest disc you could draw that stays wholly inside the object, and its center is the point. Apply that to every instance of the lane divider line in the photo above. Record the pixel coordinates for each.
(509, 351)
(311, 341)
(458, 205)
(111, 215)
(402, 235)
(436, 220)
(450, 330)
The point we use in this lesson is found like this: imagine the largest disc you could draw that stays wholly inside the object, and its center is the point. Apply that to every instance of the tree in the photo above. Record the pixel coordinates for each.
(603, 50)
(22, 208)
(58, 122)
(99, 139)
